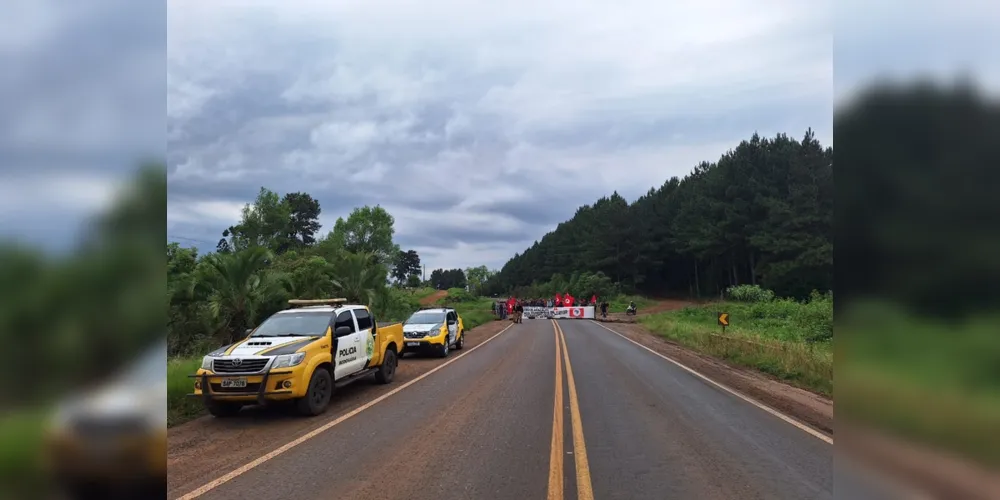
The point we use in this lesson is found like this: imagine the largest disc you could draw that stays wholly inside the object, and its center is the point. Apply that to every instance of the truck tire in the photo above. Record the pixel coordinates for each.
(387, 369)
(460, 343)
(318, 394)
(223, 409)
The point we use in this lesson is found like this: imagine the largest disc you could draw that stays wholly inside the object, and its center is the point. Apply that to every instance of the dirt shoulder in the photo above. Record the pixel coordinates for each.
(812, 409)
(220, 445)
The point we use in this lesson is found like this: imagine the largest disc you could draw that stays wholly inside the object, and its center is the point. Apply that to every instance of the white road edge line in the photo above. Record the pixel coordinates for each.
(809, 430)
(315, 432)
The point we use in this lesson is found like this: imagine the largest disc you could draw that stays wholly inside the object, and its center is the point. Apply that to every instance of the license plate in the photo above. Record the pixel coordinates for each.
(235, 383)
(413, 344)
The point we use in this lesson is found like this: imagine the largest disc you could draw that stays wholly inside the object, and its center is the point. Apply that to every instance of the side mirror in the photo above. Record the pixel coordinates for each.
(342, 330)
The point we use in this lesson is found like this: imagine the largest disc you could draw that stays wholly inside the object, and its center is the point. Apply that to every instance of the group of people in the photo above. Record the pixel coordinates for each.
(513, 308)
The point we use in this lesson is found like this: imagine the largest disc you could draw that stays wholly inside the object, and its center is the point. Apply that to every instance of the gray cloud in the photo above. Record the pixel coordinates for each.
(82, 98)
(478, 127)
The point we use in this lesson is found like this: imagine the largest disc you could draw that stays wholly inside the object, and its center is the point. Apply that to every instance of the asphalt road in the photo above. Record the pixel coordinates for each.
(491, 425)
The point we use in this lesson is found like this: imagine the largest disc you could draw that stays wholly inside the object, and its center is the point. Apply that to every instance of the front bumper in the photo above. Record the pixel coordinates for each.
(272, 385)
(423, 344)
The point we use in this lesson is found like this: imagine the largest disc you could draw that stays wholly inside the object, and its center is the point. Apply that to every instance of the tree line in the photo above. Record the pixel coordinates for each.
(761, 214)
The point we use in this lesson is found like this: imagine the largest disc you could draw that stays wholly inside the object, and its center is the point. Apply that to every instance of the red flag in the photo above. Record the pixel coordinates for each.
(558, 299)
(593, 299)
(567, 300)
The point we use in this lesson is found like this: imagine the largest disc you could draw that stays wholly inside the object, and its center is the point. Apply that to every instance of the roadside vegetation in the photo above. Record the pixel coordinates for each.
(912, 374)
(787, 338)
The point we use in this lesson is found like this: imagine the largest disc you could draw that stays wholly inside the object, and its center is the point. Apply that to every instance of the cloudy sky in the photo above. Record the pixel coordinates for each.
(478, 125)
(81, 91)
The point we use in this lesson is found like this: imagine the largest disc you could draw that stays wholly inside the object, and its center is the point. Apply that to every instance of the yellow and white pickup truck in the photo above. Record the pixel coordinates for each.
(301, 354)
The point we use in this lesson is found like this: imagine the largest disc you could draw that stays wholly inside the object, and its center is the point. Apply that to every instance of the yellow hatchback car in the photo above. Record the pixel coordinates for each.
(434, 330)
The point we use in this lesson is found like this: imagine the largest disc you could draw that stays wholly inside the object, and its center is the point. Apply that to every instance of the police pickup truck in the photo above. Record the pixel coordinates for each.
(300, 354)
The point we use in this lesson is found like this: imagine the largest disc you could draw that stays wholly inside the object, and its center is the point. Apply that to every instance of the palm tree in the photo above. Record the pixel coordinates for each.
(239, 285)
(359, 277)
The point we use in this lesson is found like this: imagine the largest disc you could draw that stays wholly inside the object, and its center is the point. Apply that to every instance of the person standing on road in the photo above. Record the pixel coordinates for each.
(518, 312)
(604, 309)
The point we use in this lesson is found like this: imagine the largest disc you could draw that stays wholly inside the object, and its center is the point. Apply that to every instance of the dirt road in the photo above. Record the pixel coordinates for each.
(434, 297)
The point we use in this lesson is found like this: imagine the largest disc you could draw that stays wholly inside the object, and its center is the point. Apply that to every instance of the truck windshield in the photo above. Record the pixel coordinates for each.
(425, 318)
(293, 324)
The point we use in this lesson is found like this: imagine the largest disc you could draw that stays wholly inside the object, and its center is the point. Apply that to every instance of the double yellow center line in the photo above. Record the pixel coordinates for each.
(584, 489)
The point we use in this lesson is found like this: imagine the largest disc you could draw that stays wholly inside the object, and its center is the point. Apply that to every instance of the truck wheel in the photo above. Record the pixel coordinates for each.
(318, 395)
(223, 409)
(387, 369)
(460, 343)
(443, 350)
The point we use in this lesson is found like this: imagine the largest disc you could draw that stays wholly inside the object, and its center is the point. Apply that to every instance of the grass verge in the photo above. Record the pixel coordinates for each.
(620, 303)
(181, 408)
(22, 435)
(774, 337)
(926, 379)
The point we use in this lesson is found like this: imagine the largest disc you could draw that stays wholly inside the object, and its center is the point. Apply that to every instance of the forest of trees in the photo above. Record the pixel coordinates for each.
(761, 214)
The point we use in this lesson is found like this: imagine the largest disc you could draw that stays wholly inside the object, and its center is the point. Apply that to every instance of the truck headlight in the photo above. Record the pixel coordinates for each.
(288, 360)
(206, 363)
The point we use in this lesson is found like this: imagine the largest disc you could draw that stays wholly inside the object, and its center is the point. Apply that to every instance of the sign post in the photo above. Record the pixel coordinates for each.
(723, 321)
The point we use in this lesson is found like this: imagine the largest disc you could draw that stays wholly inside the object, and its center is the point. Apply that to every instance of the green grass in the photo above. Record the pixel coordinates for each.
(619, 304)
(772, 337)
(22, 434)
(181, 408)
(420, 293)
(927, 379)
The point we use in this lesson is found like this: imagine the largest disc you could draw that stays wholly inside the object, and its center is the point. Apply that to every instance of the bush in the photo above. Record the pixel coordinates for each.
(393, 305)
(749, 293)
(459, 295)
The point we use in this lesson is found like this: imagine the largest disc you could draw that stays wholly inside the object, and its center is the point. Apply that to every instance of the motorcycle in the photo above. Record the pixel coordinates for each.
(630, 311)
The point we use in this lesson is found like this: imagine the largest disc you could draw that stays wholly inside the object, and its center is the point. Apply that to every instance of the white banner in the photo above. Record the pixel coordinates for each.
(582, 312)
(533, 312)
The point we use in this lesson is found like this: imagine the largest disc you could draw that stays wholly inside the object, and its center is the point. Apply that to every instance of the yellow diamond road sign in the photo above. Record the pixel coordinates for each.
(724, 319)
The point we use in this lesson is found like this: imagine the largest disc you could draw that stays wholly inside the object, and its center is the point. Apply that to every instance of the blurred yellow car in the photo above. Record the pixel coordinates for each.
(114, 439)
